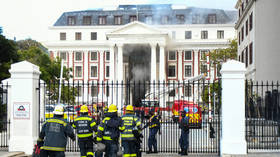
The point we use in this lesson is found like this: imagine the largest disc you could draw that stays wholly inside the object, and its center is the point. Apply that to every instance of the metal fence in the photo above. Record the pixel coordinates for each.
(4, 121)
(202, 98)
(262, 115)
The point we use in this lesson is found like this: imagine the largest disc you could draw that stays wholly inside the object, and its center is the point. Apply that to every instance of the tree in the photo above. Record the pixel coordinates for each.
(8, 55)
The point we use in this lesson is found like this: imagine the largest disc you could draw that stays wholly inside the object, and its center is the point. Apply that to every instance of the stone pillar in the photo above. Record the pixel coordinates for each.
(112, 75)
(233, 109)
(162, 73)
(24, 109)
(153, 63)
(119, 95)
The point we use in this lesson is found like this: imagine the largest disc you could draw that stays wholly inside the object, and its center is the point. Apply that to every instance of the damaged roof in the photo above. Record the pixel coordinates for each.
(190, 15)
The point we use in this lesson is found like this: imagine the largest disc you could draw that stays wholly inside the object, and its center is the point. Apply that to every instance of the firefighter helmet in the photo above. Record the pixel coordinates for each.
(58, 110)
(84, 108)
(129, 108)
(113, 108)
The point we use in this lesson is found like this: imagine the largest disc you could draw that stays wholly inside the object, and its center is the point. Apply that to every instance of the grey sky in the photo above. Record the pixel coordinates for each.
(31, 18)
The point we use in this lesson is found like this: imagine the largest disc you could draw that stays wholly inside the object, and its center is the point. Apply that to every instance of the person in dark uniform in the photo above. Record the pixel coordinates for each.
(54, 135)
(105, 114)
(85, 126)
(154, 127)
(129, 141)
(109, 131)
(184, 138)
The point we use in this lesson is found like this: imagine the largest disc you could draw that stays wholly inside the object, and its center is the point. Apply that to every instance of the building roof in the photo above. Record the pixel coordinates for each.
(191, 15)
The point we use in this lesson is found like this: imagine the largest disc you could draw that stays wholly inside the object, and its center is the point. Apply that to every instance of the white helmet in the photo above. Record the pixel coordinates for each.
(58, 110)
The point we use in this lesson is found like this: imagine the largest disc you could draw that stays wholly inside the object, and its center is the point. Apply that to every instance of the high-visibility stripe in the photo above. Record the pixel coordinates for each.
(100, 128)
(98, 138)
(138, 123)
(73, 125)
(92, 124)
(107, 138)
(152, 126)
(83, 156)
(84, 135)
(122, 128)
(83, 118)
(126, 155)
(57, 121)
(127, 135)
(90, 153)
(53, 148)
(127, 118)
(105, 119)
(132, 155)
(39, 139)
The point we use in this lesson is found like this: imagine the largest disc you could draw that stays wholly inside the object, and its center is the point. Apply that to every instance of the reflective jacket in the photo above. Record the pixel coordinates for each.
(85, 126)
(110, 128)
(130, 122)
(154, 122)
(54, 134)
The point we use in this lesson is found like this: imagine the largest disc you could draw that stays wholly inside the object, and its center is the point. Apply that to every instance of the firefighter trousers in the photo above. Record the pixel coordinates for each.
(184, 140)
(129, 147)
(86, 146)
(48, 153)
(152, 141)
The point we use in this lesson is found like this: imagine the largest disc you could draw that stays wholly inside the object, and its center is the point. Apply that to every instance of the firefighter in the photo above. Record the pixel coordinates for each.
(129, 141)
(105, 112)
(109, 131)
(184, 138)
(54, 134)
(85, 126)
(154, 127)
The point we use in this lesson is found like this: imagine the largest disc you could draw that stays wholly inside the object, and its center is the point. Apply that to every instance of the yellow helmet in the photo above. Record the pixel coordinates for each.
(58, 110)
(129, 108)
(84, 108)
(113, 108)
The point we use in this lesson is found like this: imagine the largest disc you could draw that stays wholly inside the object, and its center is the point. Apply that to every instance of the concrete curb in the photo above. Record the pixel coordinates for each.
(11, 154)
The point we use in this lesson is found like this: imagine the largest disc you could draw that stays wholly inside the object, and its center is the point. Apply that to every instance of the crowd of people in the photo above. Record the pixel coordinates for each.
(113, 136)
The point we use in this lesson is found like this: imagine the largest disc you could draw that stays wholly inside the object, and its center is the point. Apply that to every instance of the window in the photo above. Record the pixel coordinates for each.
(251, 21)
(246, 56)
(172, 93)
(148, 19)
(239, 58)
(93, 36)
(171, 71)
(118, 20)
(172, 55)
(107, 56)
(203, 69)
(87, 20)
(78, 36)
(239, 12)
(251, 53)
(93, 56)
(188, 34)
(78, 56)
(204, 34)
(239, 38)
(188, 91)
(195, 19)
(94, 91)
(180, 19)
(212, 18)
(62, 36)
(93, 71)
(80, 91)
(203, 54)
(63, 56)
(132, 18)
(188, 55)
(242, 33)
(173, 34)
(219, 67)
(164, 20)
(78, 71)
(107, 91)
(242, 57)
(246, 27)
(220, 34)
(71, 20)
(102, 20)
(107, 74)
(188, 70)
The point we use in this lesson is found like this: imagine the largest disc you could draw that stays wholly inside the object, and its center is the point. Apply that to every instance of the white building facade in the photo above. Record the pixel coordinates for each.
(258, 40)
(140, 43)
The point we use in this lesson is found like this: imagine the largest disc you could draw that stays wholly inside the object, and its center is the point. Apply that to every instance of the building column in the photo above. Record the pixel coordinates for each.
(153, 63)
(162, 71)
(119, 93)
(24, 111)
(112, 63)
(233, 109)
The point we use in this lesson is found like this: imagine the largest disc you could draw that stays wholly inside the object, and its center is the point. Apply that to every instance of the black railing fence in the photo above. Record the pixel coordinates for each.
(262, 115)
(202, 98)
(4, 121)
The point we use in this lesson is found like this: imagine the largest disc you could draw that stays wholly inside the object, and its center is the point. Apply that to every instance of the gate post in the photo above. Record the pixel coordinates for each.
(24, 106)
(233, 109)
